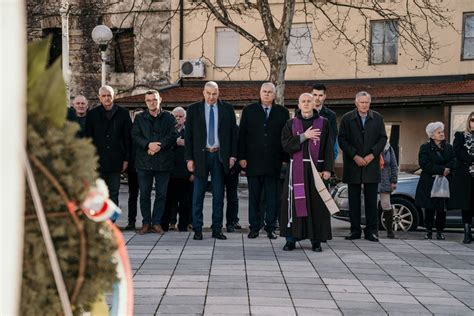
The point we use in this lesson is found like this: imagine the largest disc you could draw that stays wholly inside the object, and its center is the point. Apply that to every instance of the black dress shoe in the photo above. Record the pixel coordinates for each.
(253, 234)
(372, 237)
(272, 235)
(352, 237)
(440, 236)
(316, 246)
(429, 235)
(230, 228)
(197, 236)
(130, 226)
(218, 235)
(237, 226)
(289, 246)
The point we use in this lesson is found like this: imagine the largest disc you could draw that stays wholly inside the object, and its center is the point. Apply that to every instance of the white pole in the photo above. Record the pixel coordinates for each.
(103, 57)
(12, 120)
(64, 10)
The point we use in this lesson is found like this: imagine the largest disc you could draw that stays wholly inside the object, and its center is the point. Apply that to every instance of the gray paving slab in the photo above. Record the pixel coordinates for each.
(176, 275)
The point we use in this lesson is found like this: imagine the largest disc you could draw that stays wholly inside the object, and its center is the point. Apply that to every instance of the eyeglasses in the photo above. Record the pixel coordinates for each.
(472, 119)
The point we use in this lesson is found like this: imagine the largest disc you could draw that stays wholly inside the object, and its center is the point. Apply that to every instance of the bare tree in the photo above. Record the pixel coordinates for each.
(415, 20)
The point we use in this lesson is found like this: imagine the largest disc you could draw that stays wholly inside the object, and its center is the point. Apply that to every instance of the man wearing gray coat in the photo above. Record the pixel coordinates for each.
(362, 138)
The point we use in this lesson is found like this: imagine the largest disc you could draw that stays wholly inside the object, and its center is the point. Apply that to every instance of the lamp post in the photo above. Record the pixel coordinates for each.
(102, 36)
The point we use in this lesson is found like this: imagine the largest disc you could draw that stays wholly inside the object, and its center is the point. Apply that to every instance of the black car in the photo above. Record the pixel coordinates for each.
(407, 216)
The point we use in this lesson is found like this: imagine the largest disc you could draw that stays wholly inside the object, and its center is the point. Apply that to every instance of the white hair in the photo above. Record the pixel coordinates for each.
(433, 127)
(211, 84)
(268, 85)
(306, 94)
(179, 109)
(108, 88)
(363, 94)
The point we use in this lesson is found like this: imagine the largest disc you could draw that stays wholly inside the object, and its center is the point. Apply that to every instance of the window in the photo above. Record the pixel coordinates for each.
(123, 50)
(300, 47)
(227, 47)
(383, 42)
(468, 37)
(56, 48)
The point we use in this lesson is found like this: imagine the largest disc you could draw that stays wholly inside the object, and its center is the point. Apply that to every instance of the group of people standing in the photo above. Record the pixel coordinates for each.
(175, 153)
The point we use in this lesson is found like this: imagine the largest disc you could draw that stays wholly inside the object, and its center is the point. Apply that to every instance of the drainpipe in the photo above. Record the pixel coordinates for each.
(64, 10)
(181, 35)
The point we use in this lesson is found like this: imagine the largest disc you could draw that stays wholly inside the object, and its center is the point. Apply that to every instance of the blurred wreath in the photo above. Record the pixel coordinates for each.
(64, 167)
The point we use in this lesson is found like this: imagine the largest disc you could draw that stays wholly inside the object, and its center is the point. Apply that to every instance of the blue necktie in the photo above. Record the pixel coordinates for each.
(211, 138)
(267, 111)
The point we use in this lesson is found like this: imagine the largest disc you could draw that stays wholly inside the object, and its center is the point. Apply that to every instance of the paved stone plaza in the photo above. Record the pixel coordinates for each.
(174, 274)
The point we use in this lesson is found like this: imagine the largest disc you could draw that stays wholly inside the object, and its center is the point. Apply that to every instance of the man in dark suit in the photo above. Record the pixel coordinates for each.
(211, 147)
(109, 125)
(261, 155)
(362, 138)
(319, 94)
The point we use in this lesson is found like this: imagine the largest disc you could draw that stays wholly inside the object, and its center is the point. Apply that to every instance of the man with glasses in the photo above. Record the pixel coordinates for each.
(154, 135)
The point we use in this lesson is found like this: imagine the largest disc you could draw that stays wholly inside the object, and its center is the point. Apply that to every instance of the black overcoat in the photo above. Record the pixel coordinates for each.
(355, 140)
(462, 191)
(147, 129)
(433, 160)
(111, 136)
(196, 136)
(331, 116)
(180, 169)
(260, 139)
(317, 225)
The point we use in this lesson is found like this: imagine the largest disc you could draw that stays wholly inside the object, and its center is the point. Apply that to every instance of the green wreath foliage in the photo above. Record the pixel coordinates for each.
(72, 161)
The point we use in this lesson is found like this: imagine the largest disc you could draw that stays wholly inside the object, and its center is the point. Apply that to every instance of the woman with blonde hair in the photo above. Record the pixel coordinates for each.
(436, 157)
(463, 195)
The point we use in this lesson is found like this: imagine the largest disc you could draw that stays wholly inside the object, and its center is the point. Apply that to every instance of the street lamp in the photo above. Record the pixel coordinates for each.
(102, 36)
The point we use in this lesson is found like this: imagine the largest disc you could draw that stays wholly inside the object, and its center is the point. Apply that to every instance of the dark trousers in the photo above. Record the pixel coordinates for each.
(145, 182)
(467, 214)
(215, 167)
(440, 219)
(112, 179)
(371, 213)
(132, 195)
(258, 217)
(231, 182)
(178, 201)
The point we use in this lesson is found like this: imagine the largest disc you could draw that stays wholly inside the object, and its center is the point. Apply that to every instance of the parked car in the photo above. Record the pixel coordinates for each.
(407, 216)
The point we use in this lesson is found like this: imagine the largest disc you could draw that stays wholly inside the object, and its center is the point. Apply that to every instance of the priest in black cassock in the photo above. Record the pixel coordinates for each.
(306, 203)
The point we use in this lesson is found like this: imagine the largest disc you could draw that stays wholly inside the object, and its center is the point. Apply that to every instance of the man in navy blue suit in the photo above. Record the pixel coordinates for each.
(211, 148)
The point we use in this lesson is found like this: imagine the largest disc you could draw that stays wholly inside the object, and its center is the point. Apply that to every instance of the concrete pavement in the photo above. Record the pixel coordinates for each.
(174, 274)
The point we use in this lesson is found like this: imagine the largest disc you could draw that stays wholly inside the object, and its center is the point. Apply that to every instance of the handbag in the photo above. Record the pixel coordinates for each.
(440, 187)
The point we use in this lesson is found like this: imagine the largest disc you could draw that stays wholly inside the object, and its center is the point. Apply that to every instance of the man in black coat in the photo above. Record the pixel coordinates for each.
(261, 156)
(180, 190)
(154, 135)
(362, 138)
(319, 94)
(109, 127)
(78, 113)
(211, 147)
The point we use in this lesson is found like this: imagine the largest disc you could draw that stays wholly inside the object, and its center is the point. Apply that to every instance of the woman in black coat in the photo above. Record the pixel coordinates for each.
(463, 194)
(436, 157)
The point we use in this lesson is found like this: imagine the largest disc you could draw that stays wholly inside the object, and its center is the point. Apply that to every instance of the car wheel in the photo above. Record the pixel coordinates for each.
(405, 215)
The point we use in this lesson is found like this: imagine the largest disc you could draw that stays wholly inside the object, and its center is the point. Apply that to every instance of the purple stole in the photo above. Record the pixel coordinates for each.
(298, 164)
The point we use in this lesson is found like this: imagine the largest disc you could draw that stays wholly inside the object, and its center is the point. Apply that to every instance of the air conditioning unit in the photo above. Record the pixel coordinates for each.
(191, 68)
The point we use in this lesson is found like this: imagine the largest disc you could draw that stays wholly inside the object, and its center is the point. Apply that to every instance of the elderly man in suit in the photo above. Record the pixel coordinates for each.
(211, 148)
(261, 156)
(362, 138)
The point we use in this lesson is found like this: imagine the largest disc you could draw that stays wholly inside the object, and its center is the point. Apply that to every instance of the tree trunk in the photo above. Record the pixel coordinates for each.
(277, 76)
